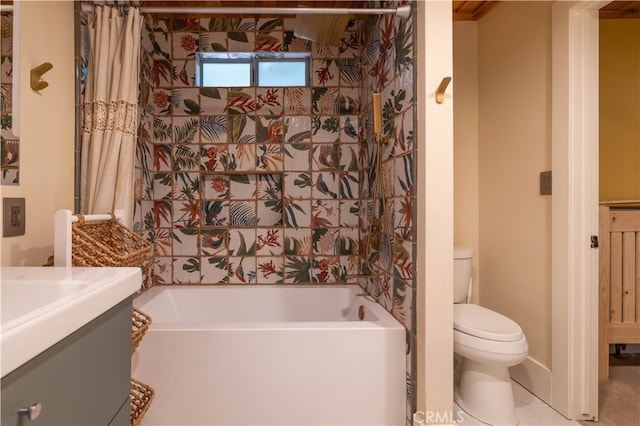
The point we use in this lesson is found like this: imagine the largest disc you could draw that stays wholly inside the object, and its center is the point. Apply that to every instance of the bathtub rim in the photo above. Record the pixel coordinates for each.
(384, 321)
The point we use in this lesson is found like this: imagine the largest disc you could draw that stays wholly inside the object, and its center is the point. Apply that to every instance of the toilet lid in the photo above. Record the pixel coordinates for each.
(484, 323)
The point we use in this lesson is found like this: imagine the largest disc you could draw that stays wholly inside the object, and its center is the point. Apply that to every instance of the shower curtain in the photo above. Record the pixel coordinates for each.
(110, 113)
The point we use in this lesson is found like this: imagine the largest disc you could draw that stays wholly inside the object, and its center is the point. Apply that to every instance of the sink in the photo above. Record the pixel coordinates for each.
(40, 306)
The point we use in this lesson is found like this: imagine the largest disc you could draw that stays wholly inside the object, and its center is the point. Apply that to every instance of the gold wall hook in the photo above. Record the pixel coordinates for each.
(441, 88)
(36, 73)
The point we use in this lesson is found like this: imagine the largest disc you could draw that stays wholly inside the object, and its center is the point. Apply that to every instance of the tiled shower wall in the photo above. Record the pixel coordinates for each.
(249, 185)
(274, 185)
(10, 144)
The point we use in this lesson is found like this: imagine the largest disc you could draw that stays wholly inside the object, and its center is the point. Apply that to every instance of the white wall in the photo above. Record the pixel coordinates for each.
(497, 205)
(47, 123)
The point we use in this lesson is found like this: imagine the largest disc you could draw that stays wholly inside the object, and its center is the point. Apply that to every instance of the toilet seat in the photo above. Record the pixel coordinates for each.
(484, 323)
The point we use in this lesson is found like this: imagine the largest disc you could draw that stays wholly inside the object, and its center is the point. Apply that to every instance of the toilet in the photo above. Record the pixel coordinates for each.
(488, 343)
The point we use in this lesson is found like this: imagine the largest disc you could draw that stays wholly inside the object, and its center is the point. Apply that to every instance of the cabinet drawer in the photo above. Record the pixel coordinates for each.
(81, 381)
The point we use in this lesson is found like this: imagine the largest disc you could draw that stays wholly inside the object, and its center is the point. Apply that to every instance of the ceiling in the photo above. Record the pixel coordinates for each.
(462, 10)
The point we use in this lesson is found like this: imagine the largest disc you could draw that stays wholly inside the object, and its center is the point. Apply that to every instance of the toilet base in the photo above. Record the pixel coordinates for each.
(485, 393)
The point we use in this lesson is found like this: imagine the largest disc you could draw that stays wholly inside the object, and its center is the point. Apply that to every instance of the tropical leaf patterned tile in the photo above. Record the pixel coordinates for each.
(297, 185)
(270, 270)
(162, 270)
(243, 214)
(269, 157)
(325, 185)
(327, 269)
(186, 270)
(215, 213)
(185, 242)
(349, 129)
(213, 128)
(241, 158)
(325, 213)
(270, 129)
(214, 157)
(297, 213)
(162, 214)
(185, 45)
(241, 129)
(298, 242)
(298, 270)
(269, 213)
(326, 241)
(186, 186)
(213, 100)
(349, 213)
(269, 186)
(242, 242)
(162, 130)
(186, 214)
(385, 290)
(297, 100)
(162, 102)
(162, 186)
(215, 187)
(348, 101)
(402, 257)
(269, 241)
(324, 100)
(242, 270)
(240, 41)
(296, 157)
(213, 42)
(213, 270)
(185, 75)
(185, 157)
(186, 101)
(243, 186)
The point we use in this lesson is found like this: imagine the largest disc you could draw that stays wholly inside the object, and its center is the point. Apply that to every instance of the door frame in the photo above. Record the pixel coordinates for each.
(575, 115)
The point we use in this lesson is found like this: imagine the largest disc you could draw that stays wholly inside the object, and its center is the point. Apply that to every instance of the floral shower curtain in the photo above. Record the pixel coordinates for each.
(110, 113)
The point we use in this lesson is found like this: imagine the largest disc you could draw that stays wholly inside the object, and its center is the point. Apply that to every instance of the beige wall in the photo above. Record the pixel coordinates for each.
(619, 109)
(513, 97)
(47, 122)
(465, 141)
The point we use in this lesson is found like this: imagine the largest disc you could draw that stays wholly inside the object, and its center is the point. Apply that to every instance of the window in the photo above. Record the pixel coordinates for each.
(252, 69)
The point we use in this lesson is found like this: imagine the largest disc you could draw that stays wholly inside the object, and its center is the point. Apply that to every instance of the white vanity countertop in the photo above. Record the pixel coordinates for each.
(40, 306)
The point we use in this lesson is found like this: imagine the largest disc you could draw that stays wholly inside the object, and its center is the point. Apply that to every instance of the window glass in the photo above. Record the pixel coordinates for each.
(247, 69)
(226, 74)
(282, 73)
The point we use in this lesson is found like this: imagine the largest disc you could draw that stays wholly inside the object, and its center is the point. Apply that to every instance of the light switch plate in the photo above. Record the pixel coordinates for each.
(13, 217)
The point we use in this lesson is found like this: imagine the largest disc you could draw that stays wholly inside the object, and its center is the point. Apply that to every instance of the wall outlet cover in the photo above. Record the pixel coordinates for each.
(13, 217)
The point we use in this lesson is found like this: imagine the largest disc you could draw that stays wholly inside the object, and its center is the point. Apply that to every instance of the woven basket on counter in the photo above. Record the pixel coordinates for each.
(141, 396)
(106, 243)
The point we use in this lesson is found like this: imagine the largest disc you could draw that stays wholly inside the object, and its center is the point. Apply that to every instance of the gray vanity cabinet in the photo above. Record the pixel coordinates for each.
(83, 380)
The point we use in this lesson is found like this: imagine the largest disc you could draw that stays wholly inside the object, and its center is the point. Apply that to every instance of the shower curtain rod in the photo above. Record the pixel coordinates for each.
(402, 11)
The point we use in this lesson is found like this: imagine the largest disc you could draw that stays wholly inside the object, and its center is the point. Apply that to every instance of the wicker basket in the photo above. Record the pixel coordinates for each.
(106, 243)
(141, 396)
(140, 324)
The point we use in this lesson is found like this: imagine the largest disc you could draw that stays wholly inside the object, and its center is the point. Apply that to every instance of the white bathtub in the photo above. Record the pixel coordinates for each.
(270, 355)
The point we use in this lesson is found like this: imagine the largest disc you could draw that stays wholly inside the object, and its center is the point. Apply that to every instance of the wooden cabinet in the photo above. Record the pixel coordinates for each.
(83, 380)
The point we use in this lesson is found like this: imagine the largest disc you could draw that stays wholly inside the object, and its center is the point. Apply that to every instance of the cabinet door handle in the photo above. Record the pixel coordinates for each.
(32, 412)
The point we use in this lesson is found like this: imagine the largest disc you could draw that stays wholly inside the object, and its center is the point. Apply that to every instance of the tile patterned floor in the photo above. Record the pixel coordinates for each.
(530, 410)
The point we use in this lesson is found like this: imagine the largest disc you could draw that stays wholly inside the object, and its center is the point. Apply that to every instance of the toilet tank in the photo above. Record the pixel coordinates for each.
(462, 257)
